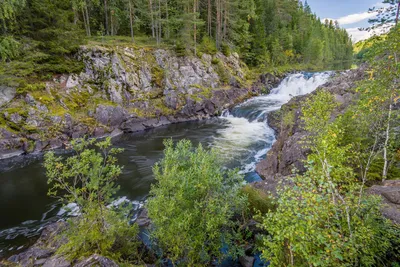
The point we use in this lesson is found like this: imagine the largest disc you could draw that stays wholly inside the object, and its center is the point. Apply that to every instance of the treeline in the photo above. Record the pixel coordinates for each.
(265, 32)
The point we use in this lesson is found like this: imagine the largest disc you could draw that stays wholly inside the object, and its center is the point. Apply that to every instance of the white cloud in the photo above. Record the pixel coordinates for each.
(358, 17)
(353, 18)
(357, 35)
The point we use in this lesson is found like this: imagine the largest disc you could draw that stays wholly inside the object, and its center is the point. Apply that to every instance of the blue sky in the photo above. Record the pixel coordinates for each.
(351, 14)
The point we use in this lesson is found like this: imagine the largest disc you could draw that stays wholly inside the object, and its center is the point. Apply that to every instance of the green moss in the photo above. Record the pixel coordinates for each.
(158, 75)
(258, 200)
(222, 72)
(31, 87)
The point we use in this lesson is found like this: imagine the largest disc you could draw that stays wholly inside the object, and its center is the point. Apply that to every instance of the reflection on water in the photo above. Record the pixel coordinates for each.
(241, 135)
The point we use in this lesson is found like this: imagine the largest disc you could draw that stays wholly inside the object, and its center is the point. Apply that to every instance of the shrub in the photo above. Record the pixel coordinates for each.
(88, 179)
(226, 49)
(9, 48)
(193, 203)
(208, 46)
(258, 200)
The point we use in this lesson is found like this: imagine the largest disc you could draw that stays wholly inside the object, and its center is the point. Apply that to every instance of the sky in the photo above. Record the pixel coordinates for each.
(351, 14)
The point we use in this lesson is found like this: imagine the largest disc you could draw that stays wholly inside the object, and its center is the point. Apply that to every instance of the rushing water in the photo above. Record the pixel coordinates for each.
(241, 135)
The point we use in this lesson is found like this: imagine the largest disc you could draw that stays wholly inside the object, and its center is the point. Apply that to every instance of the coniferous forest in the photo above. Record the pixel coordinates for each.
(264, 33)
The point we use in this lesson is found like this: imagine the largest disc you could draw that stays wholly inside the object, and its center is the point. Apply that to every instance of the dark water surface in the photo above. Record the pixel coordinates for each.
(242, 136)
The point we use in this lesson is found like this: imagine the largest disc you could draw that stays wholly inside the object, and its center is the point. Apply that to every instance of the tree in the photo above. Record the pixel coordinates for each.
(8, 11)
(193, 203)
(88, 180)
(322, 218)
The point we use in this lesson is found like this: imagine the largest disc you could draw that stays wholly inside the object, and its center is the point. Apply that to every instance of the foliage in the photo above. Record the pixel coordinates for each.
(41, 38)
(208, 46)
(9, 48)
(88, 179)
(193, 203)
(258, 200)
(323, 218)
(370, 125)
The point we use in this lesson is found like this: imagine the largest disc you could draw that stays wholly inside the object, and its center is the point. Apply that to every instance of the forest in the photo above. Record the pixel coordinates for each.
(248, 166)
(264, 33)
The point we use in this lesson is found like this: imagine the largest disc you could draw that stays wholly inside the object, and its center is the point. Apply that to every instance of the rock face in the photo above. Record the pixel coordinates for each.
(6, 94)
(288, 154)
(390, 193)
(122, 89)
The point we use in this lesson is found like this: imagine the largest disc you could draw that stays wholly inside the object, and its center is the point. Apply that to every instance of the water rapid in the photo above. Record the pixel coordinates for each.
(241, 135)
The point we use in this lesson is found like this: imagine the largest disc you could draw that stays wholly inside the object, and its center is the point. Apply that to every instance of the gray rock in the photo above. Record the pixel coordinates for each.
(143, 219)
(30, 100)
(246, 261)
(15, 118)
(6, 94)
(109, 115)
(390, 193)
(96, 261)
(57, 261)
(287, 153)
(72, 81)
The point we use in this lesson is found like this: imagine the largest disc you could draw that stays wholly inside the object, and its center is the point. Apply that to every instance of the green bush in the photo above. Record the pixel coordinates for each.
(88, 179)
(9, 48)
(258, 200)
(208, 46)
(226, 49)
(193, 203)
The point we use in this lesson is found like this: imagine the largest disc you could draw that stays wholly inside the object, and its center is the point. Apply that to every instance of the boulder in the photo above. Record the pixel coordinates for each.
(390, 193)
(6, 94)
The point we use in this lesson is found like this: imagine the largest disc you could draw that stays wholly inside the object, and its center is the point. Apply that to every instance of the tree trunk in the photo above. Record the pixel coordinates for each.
(131, 18)
(195, 25)
(112, 23)
(226, 10)
(84, 20)
(218, 23)
(385, 148)
(397, 15)
(209, 18)
(152, 18)
(87, 21)
(159, 22)
(106, 16)
(167, 20)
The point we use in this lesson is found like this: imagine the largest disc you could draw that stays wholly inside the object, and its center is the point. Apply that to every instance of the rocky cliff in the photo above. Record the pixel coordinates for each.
(287, 153)
(121, 89)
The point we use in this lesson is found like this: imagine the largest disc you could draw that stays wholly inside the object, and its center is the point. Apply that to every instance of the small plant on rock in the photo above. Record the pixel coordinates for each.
(88, 180)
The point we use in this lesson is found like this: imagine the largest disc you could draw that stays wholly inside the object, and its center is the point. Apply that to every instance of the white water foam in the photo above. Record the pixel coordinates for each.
(243, 133)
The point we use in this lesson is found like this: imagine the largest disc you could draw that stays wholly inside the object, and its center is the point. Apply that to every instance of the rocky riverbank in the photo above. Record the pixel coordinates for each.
(288, 154)
(122, 90)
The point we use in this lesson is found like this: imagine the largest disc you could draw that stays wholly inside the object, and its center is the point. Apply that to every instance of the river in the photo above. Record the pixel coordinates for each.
(242, 136)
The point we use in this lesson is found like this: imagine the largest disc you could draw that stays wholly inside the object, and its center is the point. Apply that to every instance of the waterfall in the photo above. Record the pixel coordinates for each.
(246, 131)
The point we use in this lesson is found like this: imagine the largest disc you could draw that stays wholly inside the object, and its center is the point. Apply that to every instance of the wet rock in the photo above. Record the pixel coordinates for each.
(109, 115)
(6, 94)
(287, 153)
(143, 219)
(246, 261)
